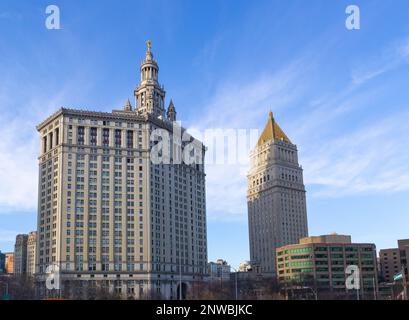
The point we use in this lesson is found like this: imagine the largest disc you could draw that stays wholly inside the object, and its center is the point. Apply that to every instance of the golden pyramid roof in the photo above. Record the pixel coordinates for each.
(272, 131)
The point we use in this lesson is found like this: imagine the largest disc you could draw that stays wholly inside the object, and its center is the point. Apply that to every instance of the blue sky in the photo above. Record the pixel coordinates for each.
(340, 95)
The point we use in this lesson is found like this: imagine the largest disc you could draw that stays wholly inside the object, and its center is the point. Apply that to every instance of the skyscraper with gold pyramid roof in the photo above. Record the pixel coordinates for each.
(276, 200)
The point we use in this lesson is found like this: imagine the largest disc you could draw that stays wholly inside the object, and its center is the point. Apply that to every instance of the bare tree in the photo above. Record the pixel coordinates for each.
(18, 287)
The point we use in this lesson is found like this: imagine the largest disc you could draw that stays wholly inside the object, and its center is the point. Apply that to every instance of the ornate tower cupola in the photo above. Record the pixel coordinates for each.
(171, 113)
(149, 95)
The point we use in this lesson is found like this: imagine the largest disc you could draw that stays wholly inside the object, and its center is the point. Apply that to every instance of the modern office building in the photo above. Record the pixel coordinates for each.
(20, 255)
(9, 262)
(2, 263)
(31, 252)
(219, 270)
(277, 211)
(321, 263)
(394, 260)
(114, 208)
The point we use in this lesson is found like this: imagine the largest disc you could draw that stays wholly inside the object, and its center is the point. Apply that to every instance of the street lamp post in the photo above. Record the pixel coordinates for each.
(235, 279)
(180, 279)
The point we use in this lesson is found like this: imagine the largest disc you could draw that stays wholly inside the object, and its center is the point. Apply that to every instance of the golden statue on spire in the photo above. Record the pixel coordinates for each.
(149, 43)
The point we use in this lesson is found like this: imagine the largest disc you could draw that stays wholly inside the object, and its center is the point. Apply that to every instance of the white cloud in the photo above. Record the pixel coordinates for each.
(239, 104)
(19, 145)
(364, 76)
(338, 157)
(242, 105)
(389, 59)
(226, 188)
(18, 170)
(368, 160)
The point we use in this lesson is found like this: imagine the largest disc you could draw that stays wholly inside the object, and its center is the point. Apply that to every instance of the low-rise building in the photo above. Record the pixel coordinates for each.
(403, 246)
(9, 262)
(321, 262)
(394, 260)
(244, 266)
(250, 271)
(390, 263)
(219, 270)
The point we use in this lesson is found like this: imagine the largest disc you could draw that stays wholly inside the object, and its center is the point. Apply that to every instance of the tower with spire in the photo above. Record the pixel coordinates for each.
(171, 113)
(148, 248)
(127, 106)
(276, 199)
(149, 95)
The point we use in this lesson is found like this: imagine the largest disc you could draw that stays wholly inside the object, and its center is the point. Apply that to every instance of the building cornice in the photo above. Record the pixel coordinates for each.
(114, 115)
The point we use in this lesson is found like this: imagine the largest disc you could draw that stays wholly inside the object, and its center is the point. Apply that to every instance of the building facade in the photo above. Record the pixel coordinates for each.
(394, 260)
(245, 266)
(9, 262)
(110, 215)
(276, 199)
(2, 263)
(219, 270)
(390, 263)
(20, 255)
(321, 263)
(31, 252)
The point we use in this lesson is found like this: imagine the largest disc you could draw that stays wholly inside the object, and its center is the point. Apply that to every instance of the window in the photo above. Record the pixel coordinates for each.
(93, 137)
(80, 135)
(129, 139)
(45, 144)
(105, 138)
(51, 140)
(57, 136)
(118, 137)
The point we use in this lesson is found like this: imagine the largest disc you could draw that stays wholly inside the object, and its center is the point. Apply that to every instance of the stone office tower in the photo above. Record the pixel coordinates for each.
(107, 215)
(276, 197)
(31, 252)
(20, 255)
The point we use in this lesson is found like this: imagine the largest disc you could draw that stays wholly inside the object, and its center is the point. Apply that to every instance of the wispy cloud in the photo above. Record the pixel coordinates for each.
(389, 59)
(19, 143)
(339, 157)
(365, 160)
(241, 105)
(342, 156)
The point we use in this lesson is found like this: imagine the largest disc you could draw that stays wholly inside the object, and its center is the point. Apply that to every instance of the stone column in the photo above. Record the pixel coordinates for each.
(86, 136)
(99, 137)
(123, 138)
(111, 137)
